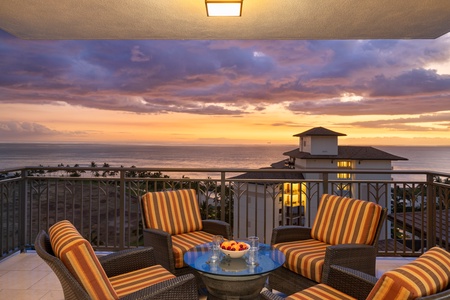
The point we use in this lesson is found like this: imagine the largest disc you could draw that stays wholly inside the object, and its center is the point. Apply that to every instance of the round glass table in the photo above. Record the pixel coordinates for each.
(233, 278)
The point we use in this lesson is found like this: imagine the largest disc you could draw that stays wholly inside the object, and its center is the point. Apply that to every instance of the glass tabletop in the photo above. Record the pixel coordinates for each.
(199, 258)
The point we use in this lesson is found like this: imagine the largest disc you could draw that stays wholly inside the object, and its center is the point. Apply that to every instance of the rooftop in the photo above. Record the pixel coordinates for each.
(348, 152)
(320, 131)
(272, 175)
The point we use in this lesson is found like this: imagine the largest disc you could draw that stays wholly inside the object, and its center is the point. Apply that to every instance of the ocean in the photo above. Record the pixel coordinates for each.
(218, 156)
(16, 155)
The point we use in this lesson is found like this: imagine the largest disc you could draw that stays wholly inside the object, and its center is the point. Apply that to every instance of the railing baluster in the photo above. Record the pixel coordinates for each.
(223, 195)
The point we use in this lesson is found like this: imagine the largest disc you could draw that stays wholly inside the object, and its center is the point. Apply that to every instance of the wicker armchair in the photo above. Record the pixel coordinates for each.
(425, 278)
(345, 233)
(118, 265)
(172, 225)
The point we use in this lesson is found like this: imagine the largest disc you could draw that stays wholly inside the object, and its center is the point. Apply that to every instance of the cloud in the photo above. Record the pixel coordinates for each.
(24, 128)
(388, 77)
(405, 105)
(412, 82)
(408, 124)
(138, 56)
(13, 130)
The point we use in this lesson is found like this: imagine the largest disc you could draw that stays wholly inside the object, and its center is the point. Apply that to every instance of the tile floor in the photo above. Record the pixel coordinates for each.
(27, 276)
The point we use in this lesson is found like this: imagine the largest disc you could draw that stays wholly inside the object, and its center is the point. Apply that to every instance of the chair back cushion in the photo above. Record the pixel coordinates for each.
(78, 256)
(174, 212)
(343, 220)
(427, 275)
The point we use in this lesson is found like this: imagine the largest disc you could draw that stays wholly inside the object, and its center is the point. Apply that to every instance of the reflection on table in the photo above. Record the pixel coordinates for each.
(234, 278)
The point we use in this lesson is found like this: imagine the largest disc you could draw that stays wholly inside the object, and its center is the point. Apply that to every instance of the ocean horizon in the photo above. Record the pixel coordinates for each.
(15, 155)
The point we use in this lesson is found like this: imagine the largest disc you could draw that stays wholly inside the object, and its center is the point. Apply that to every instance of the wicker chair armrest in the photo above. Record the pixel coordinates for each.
(352, 282)
(283, 234)
(353, 256)
(181, 287)
(127, 261)
(161, 242)
(156, 233)
(217, 227)
(270, 296)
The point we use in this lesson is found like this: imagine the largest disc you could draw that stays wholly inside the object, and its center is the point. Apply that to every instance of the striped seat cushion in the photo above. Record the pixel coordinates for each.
(174, 212)
(128, 283)
(320, 292)
(343, 220)
(78, 256)
(304, 257)
(429, 274)
(181, 243)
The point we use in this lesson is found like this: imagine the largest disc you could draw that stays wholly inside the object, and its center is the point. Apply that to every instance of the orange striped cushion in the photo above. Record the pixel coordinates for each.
(78, 256)
(128, 283)
(427, 275)
(304, 257)
(343, 220)
(181, 243)
(174, 212)
(320, 292)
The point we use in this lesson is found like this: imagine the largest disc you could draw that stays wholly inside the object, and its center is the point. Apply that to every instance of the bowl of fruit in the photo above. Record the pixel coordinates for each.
(234, 249)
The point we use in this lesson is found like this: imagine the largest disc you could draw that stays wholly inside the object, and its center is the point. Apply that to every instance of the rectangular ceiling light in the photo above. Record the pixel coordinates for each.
(223, 8)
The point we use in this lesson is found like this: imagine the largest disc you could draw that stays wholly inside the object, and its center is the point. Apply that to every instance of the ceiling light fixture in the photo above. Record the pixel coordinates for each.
(223, 8)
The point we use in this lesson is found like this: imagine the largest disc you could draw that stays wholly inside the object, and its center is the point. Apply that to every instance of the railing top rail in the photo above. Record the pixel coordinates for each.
(228, 170)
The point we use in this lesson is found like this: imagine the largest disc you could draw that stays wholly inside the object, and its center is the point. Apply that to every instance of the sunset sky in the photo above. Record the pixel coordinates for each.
(378, 92)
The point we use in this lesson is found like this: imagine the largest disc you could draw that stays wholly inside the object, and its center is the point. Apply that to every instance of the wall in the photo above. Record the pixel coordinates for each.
(324, 145)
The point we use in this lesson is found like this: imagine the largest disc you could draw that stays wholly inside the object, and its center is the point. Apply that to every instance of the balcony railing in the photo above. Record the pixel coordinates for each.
(103, 203)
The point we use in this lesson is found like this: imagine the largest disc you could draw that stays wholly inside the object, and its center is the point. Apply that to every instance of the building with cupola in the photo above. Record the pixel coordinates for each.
(318, 150)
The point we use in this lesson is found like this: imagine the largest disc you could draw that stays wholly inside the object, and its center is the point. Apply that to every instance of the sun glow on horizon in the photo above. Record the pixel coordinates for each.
(65, 123)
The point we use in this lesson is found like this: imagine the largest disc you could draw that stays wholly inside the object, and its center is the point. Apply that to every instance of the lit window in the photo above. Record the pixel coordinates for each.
(344, 175)
(344, 164)
(291, 194)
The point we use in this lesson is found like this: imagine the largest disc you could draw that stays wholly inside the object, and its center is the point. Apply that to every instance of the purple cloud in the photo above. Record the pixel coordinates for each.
(391, 77)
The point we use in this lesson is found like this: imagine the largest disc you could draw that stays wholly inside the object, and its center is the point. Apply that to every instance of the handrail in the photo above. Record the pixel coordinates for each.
(227, 170)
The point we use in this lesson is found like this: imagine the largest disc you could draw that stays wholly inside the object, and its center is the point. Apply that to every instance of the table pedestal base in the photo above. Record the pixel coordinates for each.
(234, 288)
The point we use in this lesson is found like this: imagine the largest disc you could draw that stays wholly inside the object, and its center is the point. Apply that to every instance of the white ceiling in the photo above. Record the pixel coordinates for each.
(261, 19)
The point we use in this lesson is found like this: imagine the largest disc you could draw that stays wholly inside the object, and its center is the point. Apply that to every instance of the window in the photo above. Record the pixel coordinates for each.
(344, 164)
(344, 175)
(293, 202)
(291, 194)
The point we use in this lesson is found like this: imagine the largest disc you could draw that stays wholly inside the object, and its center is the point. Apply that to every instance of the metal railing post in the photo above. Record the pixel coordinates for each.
(431, 213)
(325, 183)
(22, 210)
(122, 211)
